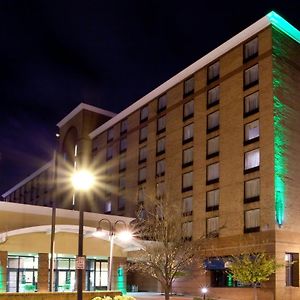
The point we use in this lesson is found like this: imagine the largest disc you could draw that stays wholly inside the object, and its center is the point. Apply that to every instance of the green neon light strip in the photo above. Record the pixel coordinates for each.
(284, 26)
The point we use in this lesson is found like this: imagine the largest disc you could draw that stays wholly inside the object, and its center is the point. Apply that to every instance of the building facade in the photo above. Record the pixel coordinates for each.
(221, 139)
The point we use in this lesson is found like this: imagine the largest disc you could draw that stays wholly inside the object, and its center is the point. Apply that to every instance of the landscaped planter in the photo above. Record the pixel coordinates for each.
(57, 295)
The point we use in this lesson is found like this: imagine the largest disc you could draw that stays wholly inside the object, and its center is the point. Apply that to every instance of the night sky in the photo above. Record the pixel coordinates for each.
(56, 54)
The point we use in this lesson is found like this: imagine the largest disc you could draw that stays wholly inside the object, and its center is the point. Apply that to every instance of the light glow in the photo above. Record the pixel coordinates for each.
(124, 235)
(204, 290)
(83, 180)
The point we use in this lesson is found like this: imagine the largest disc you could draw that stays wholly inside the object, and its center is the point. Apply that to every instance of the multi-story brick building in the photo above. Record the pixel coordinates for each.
(221, 138)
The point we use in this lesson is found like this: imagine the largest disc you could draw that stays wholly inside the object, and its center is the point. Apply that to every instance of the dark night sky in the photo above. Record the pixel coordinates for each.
(56, 54)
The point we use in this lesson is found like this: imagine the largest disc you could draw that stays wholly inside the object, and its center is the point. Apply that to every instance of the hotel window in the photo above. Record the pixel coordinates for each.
(122, 183)
(251, 161)
(107, 207)
(212, 227)
(251, 132)
(160, 168)
(109, 153)
(123, 145)
(251, 104)
(141, 195)
(187, 230)
(144, 114)
(187, 206)
(292, 269)
(110, 134)
(212, 173)
(251, 49)
(212, 200)
(143, 134)
(213, 121)
(161, 124)
(187, 181)
(188, 86)
(162, 103)
(121, 202)
(124, 125)
(142, 175)
(188, 110)
(251, 77)
(252, 223)
(160, 189)
(160, 146)
(122, 163)
(251, 190)
(213, 72)
(142, 154)
(212, 147)
(213, 96)
(188, 133)
(187, 157)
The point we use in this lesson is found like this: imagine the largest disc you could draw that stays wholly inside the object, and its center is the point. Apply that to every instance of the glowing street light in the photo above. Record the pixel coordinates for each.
(124, 235)
(204, 291)
(82, 181)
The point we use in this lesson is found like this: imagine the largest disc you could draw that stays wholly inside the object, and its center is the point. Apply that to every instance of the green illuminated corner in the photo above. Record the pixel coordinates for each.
(121, 281)
(284, 26)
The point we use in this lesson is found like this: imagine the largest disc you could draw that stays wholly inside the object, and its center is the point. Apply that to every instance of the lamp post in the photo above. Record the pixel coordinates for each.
(204, 291)
(82, 181)
(124, 235)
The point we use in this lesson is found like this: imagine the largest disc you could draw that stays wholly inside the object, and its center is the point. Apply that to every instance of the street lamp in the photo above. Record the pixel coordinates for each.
(204, 291)
(82, 181)
(124, 235)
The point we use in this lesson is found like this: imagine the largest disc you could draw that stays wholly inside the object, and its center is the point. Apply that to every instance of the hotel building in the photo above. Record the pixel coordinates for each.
(221, 138)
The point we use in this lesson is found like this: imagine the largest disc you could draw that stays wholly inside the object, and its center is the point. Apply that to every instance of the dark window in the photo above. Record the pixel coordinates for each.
(251, 104)
(124, 126)
(252, 220)
(144, 112)
(187, 181)
(143, 134)
(212, 147)
(213, 121)
(251, 77)
(162, 103)
(187, 157)
(213, 96)
(160, 146)
(161, 124)
(251, 132)
(188, 133)
(251, 49)
(212, 173)
(160, 167)
(142, 154)
(213, 72)
(292, 269)
(188, 86)
(188, 110)
(110, 134)
(251, 190)
(212, 200)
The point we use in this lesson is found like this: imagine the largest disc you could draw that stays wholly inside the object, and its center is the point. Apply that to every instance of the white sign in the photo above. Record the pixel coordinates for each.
(80, 263)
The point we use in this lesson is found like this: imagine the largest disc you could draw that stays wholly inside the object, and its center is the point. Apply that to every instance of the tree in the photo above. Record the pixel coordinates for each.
(166, 254)
(252, 269)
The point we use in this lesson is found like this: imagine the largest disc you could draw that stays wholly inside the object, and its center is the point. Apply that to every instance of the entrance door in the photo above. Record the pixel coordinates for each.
(12, 284)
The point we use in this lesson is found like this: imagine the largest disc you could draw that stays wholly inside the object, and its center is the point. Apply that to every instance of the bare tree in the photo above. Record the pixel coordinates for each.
(167, 250)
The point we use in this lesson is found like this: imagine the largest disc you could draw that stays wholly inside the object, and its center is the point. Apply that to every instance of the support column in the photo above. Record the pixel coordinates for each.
(43, 271)
(119, 276)
(3, 271)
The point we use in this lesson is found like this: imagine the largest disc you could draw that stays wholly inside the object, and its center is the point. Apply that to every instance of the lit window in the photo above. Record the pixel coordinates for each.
(144, 113)
(252, 222)
(162, 103)
(188, 110)
(122, 163)
(188, 133)
(251, 104)
(212, 227)
(252, 190)
(110, 134)
(121, 202)
(252, 160)
(160, 146)
(124, 125)
(213, 72)
(212, 200)
(213, 121)
(142, 154)
(142, 175)
(213, 96)
(161, 124)
(187, 157)
(212, 173)
(160, 168)
(109, 153)
(251, 76)
(251, 49)
(187, 230)
(189, 86)
(143, 134)
(251, 132)
(187, 206)
(123, 145)
(107, 207)
(160, 189)
(292, 269)
(187, 181)
(212, 147)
